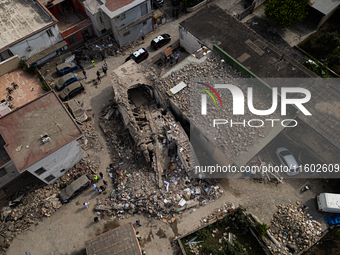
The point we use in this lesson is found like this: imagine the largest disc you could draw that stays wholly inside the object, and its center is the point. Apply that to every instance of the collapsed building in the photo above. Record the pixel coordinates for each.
(154, 129)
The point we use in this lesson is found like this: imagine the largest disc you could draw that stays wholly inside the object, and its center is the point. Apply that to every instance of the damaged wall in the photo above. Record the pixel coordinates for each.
(64, 158)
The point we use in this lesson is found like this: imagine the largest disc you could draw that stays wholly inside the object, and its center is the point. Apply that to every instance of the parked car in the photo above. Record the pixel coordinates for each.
(160, 41)
(65, 68)
(328, 202)
(158, 3)
(76, 110)
(74, 189)
(65, 81)
(138, 56)
(71, 91)
(287, 159)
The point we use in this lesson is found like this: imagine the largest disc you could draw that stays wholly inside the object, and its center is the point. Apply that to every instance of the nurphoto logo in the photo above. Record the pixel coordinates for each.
(239, 98)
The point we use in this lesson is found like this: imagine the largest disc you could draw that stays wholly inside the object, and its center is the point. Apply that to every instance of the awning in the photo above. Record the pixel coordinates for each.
(157, 14)
(45, 52)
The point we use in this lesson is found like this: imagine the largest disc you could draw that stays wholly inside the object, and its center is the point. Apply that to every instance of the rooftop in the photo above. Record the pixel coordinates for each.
(243, 44)
(266, 61)
(19, 19)
(119, 241)
(29, 87)
(66, 22)
(325, 6)
(113, 8)
(21, 130)
(114, 5)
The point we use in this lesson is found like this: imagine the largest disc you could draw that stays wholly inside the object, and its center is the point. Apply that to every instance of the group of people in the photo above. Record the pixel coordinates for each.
(78, 58)
(171, 57)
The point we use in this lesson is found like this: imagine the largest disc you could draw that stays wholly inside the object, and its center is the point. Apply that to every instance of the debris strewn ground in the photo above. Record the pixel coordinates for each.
(293, 229)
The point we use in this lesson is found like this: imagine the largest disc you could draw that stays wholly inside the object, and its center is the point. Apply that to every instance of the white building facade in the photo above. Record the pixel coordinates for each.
(129, 20)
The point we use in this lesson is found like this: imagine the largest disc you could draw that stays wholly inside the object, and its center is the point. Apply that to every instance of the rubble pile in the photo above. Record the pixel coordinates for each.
(34, 202)
(91, 140)
(232, 140)
(136, 186)
(218, 214)
(291, 226)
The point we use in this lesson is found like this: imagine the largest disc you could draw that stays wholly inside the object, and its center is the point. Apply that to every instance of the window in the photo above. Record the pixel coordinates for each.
(63, 170)
(49, 32)
(72, 39)
(49, 178)
(122, 16)
(40, 171)
(145, 23)
(3, 171)
(126, 33)
(144, 9)
(101, 20)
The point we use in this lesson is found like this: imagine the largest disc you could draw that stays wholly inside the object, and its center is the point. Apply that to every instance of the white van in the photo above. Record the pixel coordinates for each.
(328, 202)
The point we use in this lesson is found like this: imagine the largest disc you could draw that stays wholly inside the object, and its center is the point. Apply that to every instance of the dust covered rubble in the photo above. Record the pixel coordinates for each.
(135, 184)
(293, 228)
(233, 140)
(38, 202)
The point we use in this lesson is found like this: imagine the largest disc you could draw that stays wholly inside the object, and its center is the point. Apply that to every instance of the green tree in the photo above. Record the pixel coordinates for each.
(262, 228)
(286, 12)
(329, 41)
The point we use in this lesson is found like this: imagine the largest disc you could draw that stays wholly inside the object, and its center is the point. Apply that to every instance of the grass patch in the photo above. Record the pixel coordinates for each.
(324, 44)
(215, 237)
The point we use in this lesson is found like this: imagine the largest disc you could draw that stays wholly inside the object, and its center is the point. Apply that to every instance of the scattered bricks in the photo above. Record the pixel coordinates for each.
(291, 225)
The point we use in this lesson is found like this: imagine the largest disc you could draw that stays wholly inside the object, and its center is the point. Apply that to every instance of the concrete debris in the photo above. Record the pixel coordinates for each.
(140, 165)
(238, 138)
(293, 229)
(39, 202)
(218, 214)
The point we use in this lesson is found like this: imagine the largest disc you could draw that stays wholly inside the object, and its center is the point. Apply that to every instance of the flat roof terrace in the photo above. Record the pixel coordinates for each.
(29, 87)
(243, 44)
(19, 19)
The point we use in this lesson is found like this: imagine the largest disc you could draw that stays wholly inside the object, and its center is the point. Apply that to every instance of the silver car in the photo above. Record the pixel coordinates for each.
(287, 159)
(76, 110)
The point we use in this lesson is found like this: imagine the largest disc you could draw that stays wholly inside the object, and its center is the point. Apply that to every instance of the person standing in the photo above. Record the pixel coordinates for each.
(105, 183)
(92, 61)
(99, 81)
(101, 175)
(96, 219)
(94, 186)
(104, 70)
(99, 191)
(95, 178)
(105, 65)
(177, 57)
(138, 223)
(98, 73)
(103, 55)
(143, 38)
(84, 73)
(86, 204)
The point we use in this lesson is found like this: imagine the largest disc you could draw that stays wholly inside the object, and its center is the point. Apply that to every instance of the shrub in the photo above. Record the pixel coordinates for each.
(317, 68)
(285, 13)
(30, 70)
(262, 228)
